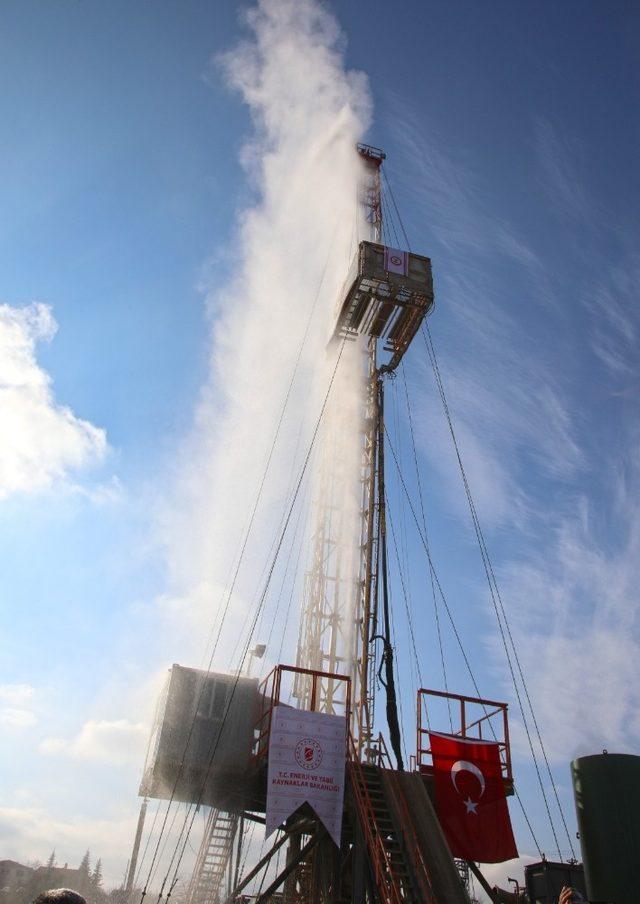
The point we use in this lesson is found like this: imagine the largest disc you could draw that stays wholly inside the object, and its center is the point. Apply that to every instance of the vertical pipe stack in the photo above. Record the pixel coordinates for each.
(606, 789)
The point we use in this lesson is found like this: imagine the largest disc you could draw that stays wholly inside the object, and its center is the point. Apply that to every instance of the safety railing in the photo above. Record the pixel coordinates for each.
(477, 719)
(377, 753)
(271, 689)
(410, 840)
(384, 874)
(410, 843)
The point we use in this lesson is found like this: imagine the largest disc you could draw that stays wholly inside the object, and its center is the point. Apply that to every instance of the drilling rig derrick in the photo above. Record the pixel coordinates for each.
(391, 848)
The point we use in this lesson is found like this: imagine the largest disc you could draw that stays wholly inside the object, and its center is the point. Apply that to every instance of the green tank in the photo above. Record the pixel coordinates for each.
(606, 789)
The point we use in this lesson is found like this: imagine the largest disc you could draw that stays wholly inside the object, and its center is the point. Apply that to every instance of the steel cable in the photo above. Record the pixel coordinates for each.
(499, 609)
(186, 831)
(229, 592)
(491, 579)
(452, 621)
(426, 534)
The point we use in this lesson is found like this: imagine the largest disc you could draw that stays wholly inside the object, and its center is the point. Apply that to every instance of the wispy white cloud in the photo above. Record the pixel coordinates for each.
(42, 440)
(535, 450)
(510, 410)
(100, 740)
(14, 717)
(15, 702)
(511, 406)
(575, 613)
(449, 192)
(458, 204)
(611, 300)
(560, 177)
(109, 493)
(606, 283)
(16, 693)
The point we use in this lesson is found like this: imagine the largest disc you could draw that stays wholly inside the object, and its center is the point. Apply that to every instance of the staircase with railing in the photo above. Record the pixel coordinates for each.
(213, 858)
(399, 871)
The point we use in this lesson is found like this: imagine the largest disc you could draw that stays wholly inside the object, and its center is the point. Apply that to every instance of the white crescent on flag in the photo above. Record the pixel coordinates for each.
(465, 766)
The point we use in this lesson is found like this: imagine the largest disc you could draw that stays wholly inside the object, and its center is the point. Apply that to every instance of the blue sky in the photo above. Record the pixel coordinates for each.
(511, 133)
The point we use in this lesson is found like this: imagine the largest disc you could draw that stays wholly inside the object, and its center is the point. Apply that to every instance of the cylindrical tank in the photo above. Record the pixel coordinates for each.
(606, 788)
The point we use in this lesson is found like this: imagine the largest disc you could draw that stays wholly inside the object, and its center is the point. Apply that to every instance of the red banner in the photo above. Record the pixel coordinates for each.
(470, 798)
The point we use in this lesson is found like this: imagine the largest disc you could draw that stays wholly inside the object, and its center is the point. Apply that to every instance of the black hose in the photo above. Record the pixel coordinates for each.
(387, 653)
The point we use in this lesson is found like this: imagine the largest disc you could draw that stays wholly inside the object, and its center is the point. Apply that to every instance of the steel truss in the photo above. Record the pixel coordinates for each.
(334, 633)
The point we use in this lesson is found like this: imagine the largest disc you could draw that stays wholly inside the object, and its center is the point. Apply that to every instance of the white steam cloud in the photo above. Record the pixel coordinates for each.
(289, 259)
(100, 740)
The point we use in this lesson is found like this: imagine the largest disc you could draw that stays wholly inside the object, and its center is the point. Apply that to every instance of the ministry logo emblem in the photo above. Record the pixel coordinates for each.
(308, 754)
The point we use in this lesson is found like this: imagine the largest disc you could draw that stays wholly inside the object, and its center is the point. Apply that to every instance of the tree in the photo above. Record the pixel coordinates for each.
(85, 864)
(51, 862)
(96, 877)
(84, 873)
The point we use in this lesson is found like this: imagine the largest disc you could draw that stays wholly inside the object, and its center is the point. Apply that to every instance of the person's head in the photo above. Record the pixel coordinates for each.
(59, 896)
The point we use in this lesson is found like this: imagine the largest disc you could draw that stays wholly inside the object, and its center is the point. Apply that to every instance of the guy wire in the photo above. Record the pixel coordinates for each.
(257, 614)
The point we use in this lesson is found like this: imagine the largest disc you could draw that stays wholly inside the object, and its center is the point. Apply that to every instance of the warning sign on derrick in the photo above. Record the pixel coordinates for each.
(306, 764)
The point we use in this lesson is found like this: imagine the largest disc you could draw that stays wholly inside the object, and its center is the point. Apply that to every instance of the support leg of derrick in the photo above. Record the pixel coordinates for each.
(293, 857)
(289, 868)
(136, 847)
(481, 879)
(360, 867)
(326, 873)
(254, 872)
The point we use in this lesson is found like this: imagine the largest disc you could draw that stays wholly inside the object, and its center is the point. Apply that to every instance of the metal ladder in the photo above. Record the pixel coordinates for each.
(213, 858)
(386, 855)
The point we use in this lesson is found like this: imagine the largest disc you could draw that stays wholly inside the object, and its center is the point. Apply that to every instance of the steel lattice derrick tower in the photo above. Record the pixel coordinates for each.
(362, 676)
(381, 856)
(336, 611)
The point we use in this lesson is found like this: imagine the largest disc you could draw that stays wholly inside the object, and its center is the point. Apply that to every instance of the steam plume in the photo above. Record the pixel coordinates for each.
(289, 257)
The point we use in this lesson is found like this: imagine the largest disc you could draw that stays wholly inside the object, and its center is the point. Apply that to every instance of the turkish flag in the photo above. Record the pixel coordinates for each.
(470, 798)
